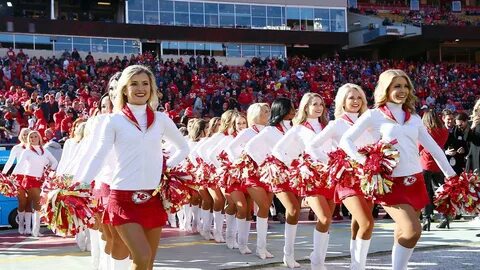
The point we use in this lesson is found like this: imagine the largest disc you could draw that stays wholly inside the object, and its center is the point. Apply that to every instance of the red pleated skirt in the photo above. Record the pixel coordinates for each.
(409, 190)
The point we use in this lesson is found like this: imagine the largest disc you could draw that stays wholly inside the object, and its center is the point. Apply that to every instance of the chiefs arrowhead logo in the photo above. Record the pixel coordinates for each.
(409, 180)
(140, 197)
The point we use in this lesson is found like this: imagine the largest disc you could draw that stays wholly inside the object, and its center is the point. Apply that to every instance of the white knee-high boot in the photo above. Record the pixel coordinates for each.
(361, 252)
(187, 220)
(289, 247)
(21, 222)
(124, 264)
(181, 218)
(28, 222)
(104, 261)
(196, 226)
(95, 248)
(218, 232)
(231, 237)
(172, 220)
(207, 225)
(320, 246)
(353, 246)
(262, 229)
(36, 224)
(80, 239)
(243, 227)
(400, 256)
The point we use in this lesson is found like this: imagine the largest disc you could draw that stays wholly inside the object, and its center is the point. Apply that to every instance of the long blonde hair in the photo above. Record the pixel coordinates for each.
(301, 115)
(226, 121)
(127, 74)
(384, 82)
(254, 111)
(211, 126)
(341, 98)
(431, 120)
(29, 138)
(475, 116)
(23, 132)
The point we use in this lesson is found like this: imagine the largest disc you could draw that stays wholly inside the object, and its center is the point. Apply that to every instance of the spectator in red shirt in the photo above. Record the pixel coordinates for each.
(245, 99)
(431, 172)
(67, 123)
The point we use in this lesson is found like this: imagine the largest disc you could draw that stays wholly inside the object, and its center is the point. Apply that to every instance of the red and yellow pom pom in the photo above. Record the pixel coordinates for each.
(175, 189)
(305, 175)
(68, 210)
(375, 174)
(341, 169)
(459, 194)
(273, 172)
(243, 169)
(8, 185)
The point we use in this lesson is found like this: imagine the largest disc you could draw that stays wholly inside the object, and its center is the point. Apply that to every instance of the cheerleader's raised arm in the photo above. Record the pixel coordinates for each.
(290, 146)
(347, 142)
(14, 155)
(325, 141)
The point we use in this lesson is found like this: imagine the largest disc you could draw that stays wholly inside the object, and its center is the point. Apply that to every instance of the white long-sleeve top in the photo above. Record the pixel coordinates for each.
(36, 161)
(69, 148)
(15, 154)
(139, 152)
(260, 146)
(193, 155)
(237, 145)
(218, 148)
(207, 145)
(329, 138)
(408, 135)
(295, 141)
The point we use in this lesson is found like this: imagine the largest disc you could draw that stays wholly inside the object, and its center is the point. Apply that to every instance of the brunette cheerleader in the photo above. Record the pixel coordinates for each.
(309, 120)
(394, 118)
(259, 148)
(199, 160)
(135, 133)
(24, 210)
(350, 102)
(35, 159)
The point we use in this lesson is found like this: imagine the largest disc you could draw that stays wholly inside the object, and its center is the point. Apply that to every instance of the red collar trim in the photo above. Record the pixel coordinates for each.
(35, 150)
(280, 128)
(129, 114)
(386, 111)
(348, 119)
(309, 126)
(255, 128)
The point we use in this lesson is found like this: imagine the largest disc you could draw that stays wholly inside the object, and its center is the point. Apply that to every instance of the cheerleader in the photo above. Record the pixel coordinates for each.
(257, 117)
(35, 159)
(207, 201)
(309, 121)
(237, 189)
(259, 148)
(71, 148)
(24, 210)
(209, 152)
(350, 102)
(198, 130)
(135, 133)
(394, 118)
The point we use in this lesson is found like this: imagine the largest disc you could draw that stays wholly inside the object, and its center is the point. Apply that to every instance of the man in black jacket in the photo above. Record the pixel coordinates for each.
(456, 147)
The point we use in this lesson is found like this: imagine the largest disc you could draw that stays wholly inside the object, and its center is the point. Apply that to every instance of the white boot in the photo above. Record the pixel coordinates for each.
(36, 224)
(320, 246)
(103, 264)
(231, 237)
(353, 259)
(80, 239)
(95, 248)
(289, 247)
(218, 231)
(172, 220)
(197, 225)
(243, 227)
(400, 257)
(124, 264)
(361, 252)
(262, 229)
(187, 219)
(207, 225)
(88, 241)
(181, 218)
(28, 222)
(21, 222)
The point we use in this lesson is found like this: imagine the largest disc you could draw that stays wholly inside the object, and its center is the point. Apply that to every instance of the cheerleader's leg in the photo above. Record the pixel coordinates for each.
(407, 233)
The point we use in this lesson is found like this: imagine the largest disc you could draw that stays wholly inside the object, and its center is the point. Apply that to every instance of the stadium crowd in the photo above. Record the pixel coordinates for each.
(49, 94)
